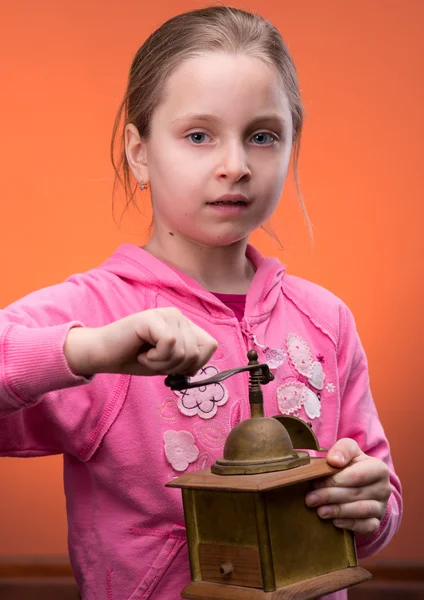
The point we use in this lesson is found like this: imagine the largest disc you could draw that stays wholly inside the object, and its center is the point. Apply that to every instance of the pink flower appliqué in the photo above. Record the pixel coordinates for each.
(203, 401)
(180, 449)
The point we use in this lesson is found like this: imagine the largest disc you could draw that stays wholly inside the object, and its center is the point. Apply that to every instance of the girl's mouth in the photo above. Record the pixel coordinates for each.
(228, 203)
(230, 200)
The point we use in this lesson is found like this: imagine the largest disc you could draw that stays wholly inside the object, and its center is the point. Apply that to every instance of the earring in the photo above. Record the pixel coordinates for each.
(143, 186)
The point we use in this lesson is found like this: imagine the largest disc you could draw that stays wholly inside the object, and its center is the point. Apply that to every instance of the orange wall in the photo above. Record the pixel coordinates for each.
(63, 71)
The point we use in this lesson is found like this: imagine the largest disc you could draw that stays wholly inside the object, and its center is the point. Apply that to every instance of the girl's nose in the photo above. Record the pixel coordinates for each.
(233, 163)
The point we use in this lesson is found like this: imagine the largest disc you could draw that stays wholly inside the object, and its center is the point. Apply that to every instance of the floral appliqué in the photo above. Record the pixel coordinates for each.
(274, 357)
(301, 358)
(291, 396)
(312, 405)
(294, 395)
(203, 401)
(330, 387)
(180, 449)
(300, 355)
(318, 376)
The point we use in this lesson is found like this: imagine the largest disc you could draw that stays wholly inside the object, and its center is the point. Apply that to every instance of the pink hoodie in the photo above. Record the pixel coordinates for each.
(124, 437)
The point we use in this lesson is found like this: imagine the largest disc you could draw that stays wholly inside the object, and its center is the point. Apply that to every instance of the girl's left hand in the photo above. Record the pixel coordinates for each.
(356, 497)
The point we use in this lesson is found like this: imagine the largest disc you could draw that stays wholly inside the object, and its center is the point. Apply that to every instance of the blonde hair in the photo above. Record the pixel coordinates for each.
(190, 34)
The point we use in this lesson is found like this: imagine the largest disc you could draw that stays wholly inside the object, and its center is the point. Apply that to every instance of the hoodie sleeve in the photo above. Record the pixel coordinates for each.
(44, 407)
(359, 420)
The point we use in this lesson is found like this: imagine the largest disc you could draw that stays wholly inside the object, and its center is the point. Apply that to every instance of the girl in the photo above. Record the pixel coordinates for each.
(212, 117)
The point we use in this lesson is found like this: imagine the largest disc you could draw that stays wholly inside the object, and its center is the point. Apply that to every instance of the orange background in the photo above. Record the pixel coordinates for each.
(64, 67)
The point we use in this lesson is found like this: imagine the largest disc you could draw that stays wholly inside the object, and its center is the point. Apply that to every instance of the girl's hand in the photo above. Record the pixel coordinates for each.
(356, 497)
(160, 341)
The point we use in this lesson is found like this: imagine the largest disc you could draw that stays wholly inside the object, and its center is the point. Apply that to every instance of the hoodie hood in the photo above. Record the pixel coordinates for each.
(137, 265)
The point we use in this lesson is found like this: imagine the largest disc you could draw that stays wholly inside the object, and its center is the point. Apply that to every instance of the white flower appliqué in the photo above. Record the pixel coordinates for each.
(203, 401)
(312, 405)
(330, 387)
(180, 449)
(318, 376)
(294, 395)
(291, 396)
(300, 355)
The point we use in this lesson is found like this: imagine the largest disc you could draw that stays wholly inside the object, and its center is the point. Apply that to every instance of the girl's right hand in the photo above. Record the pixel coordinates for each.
(159, 341)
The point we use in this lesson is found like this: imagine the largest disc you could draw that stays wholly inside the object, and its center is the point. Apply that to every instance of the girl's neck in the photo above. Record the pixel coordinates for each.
(224, 270)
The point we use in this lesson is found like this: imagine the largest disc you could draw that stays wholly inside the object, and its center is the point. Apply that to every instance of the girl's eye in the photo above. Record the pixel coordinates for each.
(262, 138)
(198, 137)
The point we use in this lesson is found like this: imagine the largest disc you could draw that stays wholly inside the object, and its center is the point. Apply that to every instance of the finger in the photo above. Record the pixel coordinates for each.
(163, 350)
(362, 509)
(341, 495)
(207, 345)
(343, 452)
(360, 474)
(359, 526)
(153, 330)
(188, 364)
(168, 345)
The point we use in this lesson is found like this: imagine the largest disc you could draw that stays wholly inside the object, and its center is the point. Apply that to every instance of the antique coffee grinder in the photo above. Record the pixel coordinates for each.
(250, 534)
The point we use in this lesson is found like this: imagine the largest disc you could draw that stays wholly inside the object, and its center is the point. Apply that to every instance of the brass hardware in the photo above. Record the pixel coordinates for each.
(259, 444)
(182, 382)
(300, 433)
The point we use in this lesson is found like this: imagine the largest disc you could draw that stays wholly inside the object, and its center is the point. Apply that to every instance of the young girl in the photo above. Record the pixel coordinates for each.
(212, 118)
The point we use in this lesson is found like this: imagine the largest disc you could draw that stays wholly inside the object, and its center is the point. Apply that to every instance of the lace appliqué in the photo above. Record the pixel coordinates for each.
(274, 357)
(203, 401)
(300, 355)
(294, 395)
(291, 396)
(180, 449)
(301, 358)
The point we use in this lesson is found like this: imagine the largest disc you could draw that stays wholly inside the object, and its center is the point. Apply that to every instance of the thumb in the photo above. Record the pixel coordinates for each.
(343, 452)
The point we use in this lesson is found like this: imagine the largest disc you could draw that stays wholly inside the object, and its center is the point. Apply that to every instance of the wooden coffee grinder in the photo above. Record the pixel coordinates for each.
(250, 534)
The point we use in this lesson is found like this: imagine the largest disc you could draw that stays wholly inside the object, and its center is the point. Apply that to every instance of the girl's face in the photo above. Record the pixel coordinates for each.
(218, 150)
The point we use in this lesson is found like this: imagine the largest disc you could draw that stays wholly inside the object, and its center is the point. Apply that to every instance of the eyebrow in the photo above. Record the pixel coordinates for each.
(266, 118)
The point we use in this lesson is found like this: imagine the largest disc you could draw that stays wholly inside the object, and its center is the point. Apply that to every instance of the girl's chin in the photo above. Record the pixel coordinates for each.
(220, 241)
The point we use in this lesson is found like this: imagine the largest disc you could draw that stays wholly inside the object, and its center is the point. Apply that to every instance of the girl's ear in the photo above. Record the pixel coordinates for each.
(136, 151)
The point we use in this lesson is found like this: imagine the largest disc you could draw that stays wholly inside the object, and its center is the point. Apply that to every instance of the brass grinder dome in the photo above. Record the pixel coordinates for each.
(258, 445)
